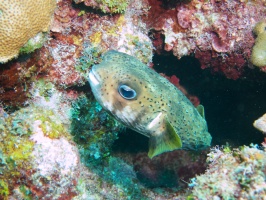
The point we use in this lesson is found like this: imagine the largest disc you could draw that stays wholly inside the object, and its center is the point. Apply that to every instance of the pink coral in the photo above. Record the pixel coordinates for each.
(183, 18)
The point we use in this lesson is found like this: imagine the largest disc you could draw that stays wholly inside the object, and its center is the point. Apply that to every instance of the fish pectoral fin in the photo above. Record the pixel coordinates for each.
(201, 111)
(167, 141)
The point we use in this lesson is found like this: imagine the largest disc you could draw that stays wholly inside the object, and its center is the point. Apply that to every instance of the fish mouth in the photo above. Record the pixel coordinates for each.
(94, 78)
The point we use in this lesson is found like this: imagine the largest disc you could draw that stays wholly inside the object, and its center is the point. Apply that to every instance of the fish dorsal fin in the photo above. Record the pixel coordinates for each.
(169, 140)
(201, 111)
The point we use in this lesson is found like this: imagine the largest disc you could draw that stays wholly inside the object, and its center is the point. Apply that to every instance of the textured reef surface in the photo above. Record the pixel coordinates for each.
(56, 141)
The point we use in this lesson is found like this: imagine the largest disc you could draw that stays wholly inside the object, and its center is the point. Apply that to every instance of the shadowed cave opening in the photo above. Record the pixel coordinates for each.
(231, 106)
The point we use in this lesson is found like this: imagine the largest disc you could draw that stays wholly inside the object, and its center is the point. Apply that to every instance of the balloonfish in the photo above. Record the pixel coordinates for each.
(148, 103)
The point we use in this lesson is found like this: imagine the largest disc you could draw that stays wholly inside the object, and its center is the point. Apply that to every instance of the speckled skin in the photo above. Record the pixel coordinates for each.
(155, 95)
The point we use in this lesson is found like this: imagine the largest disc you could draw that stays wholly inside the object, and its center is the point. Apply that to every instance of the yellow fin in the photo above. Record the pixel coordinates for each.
(167, 141)
(201, 111)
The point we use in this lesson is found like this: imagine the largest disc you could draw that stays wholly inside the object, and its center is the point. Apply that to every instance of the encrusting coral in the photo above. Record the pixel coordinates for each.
(21, 20)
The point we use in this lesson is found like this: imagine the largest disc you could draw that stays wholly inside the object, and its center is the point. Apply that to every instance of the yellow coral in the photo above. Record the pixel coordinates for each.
(21, 20)
(260, 27)
(96, 38)
(258, 56)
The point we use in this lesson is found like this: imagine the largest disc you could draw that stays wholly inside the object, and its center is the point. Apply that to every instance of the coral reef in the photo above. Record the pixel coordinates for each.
(219, 33)
(76, 41)
(233, 174)
(21, 24)
(258, 56)
(56, 142)
(38, 155)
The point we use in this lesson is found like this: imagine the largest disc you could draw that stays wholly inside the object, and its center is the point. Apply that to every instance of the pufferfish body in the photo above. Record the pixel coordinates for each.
(148, 103)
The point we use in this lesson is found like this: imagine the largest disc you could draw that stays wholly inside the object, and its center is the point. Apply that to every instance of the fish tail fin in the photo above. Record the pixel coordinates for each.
(167, 141)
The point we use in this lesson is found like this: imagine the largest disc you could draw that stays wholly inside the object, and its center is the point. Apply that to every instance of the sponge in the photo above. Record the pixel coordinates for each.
(258, 56)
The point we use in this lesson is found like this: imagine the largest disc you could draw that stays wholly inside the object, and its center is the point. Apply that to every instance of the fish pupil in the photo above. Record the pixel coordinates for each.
(127, 92)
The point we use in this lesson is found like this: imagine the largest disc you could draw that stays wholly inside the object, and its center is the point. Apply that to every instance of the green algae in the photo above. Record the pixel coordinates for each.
(90, 56)
(92, 128)
(4, 192)
(51, 126)
(113, 6)
(26, 192)
(16, 151)
(45, 88)
(33, 43)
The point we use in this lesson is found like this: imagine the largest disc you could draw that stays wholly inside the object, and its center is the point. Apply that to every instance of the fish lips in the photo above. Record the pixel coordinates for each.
(95, 82)
(94, 78)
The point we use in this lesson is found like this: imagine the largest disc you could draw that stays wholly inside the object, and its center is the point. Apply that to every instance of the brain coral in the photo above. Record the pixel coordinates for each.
(21, 20)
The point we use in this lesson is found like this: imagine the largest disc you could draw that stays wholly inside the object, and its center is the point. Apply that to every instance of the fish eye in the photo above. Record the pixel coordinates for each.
(127, 92)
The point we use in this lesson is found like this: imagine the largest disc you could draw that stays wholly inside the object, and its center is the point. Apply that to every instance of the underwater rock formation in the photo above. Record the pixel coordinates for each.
(233, 174)
(219, 33)
(38, 156)
(77, 39)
